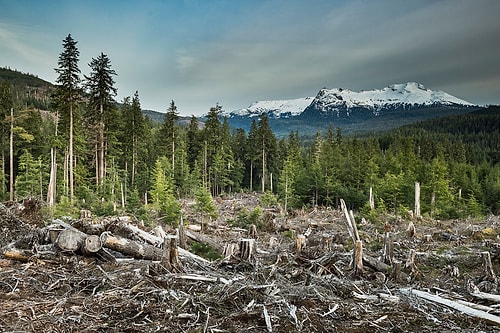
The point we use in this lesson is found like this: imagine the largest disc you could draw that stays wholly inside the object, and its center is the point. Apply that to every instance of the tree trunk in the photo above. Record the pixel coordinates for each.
(11, 157)
(74, 240)
(70, 162)
(417, 199)
(371, 200)
(130, 247)
(204, 239)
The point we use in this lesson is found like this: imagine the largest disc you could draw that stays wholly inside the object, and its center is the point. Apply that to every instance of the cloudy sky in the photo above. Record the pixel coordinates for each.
(235, 52)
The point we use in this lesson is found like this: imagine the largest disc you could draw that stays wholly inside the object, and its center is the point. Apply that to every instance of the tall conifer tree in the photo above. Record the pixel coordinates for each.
(100, 84)
(69, 93)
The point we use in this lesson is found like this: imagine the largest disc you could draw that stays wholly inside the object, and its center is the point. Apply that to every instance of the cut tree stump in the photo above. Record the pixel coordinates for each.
(358, 258)
(170, 258)
(300, 242)
(252, 231)
(247, 250)
(388, 248)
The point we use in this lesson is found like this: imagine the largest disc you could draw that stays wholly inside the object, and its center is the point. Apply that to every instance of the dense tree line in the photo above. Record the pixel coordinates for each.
(92, 152)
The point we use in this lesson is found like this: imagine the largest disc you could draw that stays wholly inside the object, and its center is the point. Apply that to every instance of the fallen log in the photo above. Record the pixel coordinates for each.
(129, 231)
(73, 240)
(204, 239)
(455, 305)
(130, 247)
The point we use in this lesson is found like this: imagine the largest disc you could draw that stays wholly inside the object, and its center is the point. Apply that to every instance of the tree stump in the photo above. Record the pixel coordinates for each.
(358, 258)
(228, 251)
(325, 241)
(247, 250)
(411, 230)
(388, 248)
(182, 235)
(170, 258)
(252, 231)
(85, 214)
(488, 267)
(300, 242)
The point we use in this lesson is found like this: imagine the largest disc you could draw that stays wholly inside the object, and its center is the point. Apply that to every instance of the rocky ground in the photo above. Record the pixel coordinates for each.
(278, 288)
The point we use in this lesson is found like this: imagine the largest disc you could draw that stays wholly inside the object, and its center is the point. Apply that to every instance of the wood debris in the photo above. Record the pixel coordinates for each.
(328, 275)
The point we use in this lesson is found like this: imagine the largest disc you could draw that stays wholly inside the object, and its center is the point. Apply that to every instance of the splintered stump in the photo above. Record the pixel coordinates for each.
(170, 258)
(300, 242)
(247, 250)
(488, 267)
(358, 258)
(388, 248)
(252, 231)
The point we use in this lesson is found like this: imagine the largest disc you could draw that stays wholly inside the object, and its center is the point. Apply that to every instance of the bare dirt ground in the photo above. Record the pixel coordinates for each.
(280, 290)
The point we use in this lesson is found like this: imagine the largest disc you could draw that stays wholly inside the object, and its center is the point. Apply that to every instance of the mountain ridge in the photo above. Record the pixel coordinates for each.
(354, 112)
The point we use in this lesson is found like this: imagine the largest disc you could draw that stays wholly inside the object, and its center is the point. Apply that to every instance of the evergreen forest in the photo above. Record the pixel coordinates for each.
(93, 152)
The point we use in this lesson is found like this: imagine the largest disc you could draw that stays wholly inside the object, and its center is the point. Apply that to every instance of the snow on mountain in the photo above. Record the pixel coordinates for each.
(404, 94)
(277, 108)
(397, 95)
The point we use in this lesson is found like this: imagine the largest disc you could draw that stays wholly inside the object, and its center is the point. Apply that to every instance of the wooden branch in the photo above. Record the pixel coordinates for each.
(455, 305)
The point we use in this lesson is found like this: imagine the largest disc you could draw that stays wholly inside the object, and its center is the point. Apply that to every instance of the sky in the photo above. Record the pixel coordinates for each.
(234, 52)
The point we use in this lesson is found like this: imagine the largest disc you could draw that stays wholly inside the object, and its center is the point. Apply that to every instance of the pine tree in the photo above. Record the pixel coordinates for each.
(132, 138)
(101, 90)
(68, 94)
(267, 146)
(6, 104)
(193, 142)
(163, 190)
(205, 205)
(168, 134)
(29, 177)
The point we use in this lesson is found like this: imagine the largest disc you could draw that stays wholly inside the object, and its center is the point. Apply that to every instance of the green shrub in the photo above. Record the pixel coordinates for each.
(204, 250)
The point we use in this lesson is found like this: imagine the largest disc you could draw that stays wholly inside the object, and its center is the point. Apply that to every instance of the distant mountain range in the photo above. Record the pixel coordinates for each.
(354, 112)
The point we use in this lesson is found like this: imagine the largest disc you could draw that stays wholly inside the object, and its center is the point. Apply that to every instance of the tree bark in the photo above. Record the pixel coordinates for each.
(417, 199)
(130, 247)
(247, 250)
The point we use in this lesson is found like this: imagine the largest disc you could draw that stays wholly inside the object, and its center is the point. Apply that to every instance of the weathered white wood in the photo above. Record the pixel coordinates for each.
(455, 305)
(417, 199)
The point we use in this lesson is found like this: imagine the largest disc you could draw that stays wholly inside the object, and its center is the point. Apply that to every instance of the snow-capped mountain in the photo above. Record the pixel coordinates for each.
(354, 112)
(404, 95)
(275, 109)
(337, 100)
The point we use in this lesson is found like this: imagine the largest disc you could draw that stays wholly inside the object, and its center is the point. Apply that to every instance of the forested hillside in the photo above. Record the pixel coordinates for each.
(106, 156)
(28, 90)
